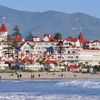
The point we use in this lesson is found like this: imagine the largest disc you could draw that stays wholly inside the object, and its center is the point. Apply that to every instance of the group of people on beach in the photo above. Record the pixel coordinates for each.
(19, 76)
(32, 76)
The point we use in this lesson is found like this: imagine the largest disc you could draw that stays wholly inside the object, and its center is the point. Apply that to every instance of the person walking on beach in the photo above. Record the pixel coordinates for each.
(91, 70)
(20, 75)
(39, 76)
(17, 76)
(32, 76)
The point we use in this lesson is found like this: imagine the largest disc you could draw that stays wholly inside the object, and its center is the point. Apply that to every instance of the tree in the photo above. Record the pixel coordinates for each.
(50, 50)
(9, 40)
(61, 50)
(58, 36)
(16, 31)
(8, 37)
(70, 37)
(15, 43)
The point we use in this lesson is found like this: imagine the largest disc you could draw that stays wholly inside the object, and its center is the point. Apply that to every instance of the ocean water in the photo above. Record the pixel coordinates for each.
(50, 89)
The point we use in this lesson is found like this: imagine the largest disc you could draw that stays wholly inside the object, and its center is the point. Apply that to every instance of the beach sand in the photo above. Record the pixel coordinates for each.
(48, 75)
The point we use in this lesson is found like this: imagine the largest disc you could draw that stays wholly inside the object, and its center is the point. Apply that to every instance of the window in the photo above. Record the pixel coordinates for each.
(25, 47)
(27, 51)
(73, 51)
(76, 56)
(71, 56)
(66, 43)
(68, 56)
(52, 43)
(59, 56)
(68, 52)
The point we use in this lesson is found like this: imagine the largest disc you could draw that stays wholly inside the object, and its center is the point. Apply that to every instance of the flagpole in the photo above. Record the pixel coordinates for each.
(80, 29)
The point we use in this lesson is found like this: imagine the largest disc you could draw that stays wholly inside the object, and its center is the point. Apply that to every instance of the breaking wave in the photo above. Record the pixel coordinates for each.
(79, 83)
(30, 96)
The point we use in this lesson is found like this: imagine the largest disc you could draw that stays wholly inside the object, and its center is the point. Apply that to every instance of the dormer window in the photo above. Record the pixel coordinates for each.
(27, 51)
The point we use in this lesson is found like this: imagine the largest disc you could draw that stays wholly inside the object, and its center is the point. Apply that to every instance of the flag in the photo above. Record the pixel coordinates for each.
(4, 17)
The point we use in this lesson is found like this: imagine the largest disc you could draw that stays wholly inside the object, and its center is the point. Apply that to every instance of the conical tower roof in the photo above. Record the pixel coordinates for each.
(3, 28)
(81, 38)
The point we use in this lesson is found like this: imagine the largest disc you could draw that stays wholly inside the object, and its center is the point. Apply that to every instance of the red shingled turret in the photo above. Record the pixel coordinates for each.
(3, 28)
(81, 38)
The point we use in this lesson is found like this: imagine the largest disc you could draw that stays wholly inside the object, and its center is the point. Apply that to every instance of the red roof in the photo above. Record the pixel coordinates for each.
(48, 61)
(26, 59)
(81, 38)
(3, 28)
(18, 38)
(48, 35)
(72, 67)
(72, 39)
(86, 42)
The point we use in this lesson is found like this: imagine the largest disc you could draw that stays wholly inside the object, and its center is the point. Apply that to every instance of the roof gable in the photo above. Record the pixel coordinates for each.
(25, 44)
(47, 37)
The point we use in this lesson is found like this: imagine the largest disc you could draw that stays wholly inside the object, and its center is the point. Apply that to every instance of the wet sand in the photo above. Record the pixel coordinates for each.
(48, 75)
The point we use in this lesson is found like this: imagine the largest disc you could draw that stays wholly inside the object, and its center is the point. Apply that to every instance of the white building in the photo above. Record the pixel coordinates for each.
(72, 42)
(41, 47)
(3, 39)
(3, 32)
(94, 44)
(90, 56)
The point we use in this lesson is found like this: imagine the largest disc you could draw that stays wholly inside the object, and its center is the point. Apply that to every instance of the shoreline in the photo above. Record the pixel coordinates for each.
(47, 76)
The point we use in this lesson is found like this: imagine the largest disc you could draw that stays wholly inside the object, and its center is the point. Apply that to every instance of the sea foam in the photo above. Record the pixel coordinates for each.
(30, 96)
(79, 83)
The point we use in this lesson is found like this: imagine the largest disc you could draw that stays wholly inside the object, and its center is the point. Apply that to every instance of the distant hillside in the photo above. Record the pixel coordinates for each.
(51, 22)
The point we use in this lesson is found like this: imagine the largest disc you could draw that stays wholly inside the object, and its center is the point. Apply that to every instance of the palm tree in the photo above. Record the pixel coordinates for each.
(29, 37)
(16, 31)
(50, 50)
(61, 50)
(15, 43)
(58, 36)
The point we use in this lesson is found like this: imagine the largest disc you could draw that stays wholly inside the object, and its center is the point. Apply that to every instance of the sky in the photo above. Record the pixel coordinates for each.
(91, 7)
